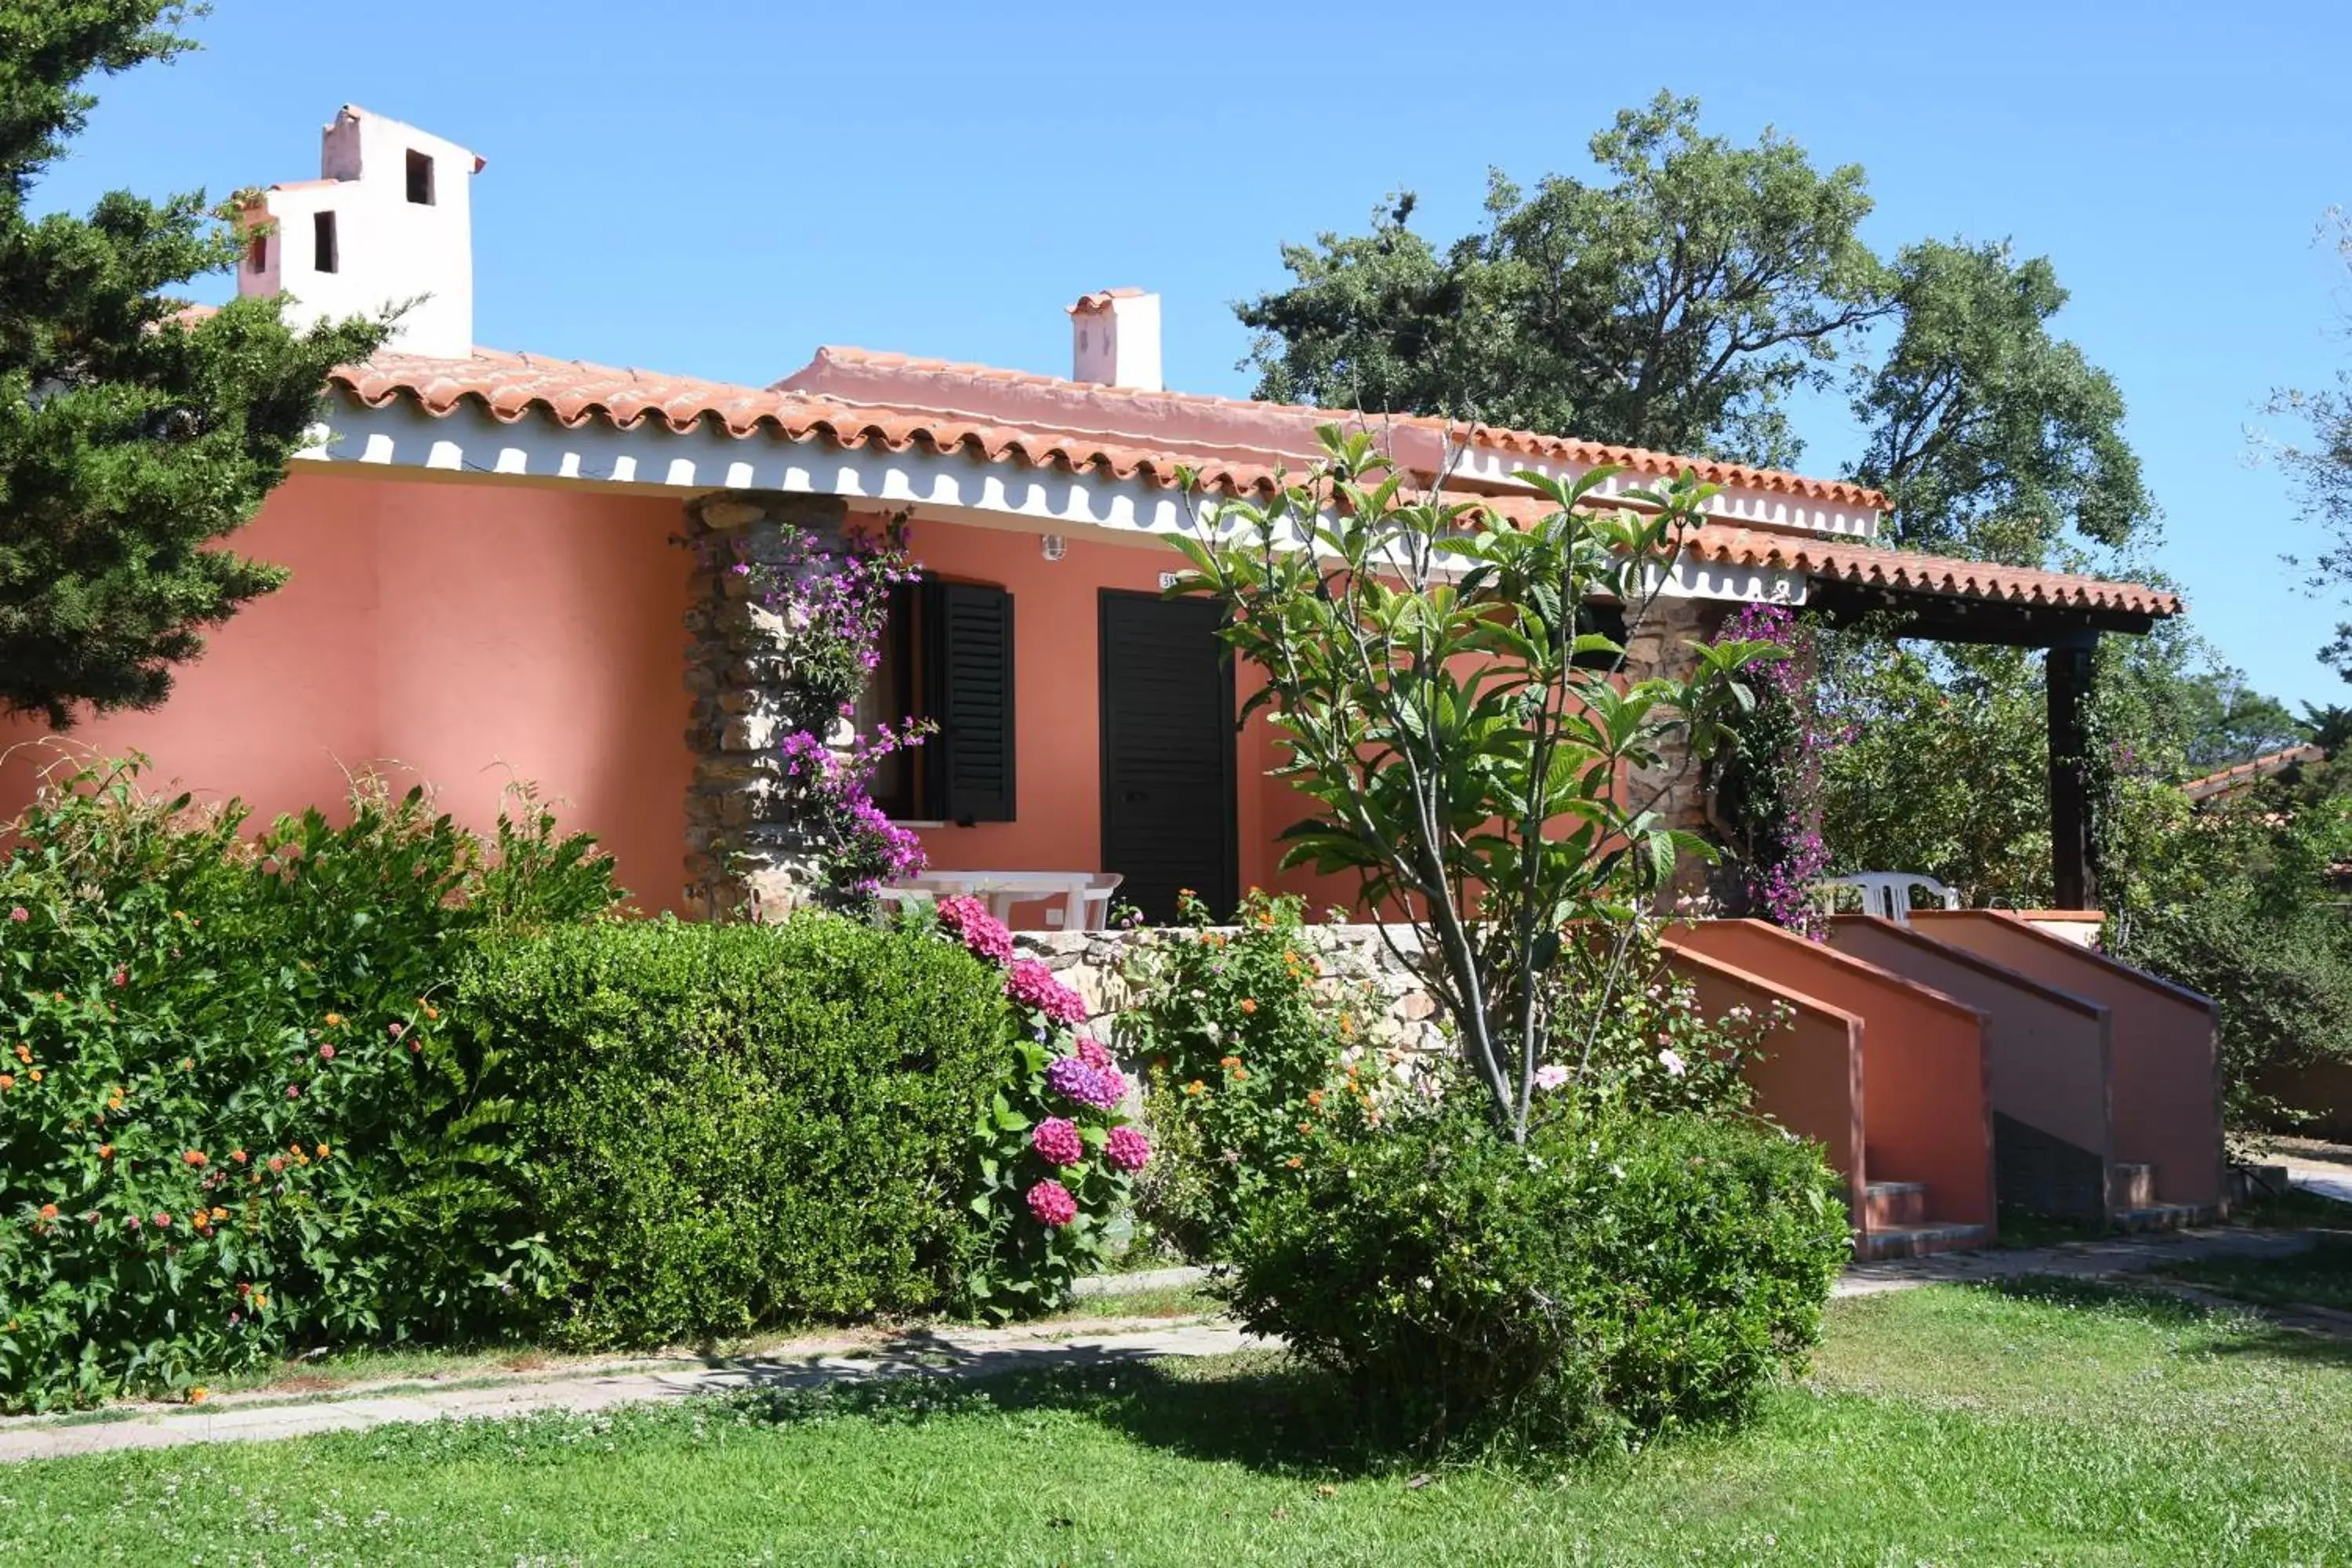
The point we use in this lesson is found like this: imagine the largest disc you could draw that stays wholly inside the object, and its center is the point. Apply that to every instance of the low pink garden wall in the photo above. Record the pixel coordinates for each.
(2167, 1060)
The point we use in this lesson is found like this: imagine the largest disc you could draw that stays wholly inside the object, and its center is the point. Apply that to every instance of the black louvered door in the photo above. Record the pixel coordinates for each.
(1167, 753)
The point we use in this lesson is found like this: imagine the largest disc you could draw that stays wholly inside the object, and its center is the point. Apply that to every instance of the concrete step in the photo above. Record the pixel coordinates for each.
(2134, 1187)
(1919, 1240)
(1886, 1205)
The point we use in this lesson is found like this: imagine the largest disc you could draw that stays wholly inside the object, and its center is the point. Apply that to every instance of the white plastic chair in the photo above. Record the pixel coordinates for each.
(1886, 894)
(1093, 903)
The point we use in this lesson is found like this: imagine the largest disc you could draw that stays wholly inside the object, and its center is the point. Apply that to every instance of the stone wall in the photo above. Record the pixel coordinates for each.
(1093, 965)
(742, 852)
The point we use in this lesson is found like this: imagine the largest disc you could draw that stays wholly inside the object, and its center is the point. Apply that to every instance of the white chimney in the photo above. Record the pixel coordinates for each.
(1115, 339)
(389, 222)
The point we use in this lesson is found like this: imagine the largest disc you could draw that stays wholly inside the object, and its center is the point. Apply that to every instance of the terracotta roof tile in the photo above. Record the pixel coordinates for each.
(511, 386)
(1290, 424)
(1869, 565)
(2236, 776)
(1827, 558)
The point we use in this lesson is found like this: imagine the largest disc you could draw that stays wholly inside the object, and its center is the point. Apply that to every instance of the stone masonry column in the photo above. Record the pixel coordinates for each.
(1660, 647)
(743, 855)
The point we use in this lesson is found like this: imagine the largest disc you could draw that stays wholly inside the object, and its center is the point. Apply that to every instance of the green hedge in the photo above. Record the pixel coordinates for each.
(729, 1127)
(233, 1119)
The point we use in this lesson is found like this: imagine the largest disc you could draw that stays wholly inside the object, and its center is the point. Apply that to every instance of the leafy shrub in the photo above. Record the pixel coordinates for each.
(1246, 1038)
(1053, 1153)
(1614, 1277)
(2281, 980)
(235, 1119)
(730, 1127)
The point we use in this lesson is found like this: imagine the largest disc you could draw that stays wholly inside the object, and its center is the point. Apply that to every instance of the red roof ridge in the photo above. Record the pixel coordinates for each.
(832, 356)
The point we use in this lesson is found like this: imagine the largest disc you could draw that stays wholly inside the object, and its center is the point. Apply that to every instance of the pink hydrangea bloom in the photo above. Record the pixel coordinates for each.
(981, 933)
(1128, 1148)
(1058, 1143)
(1050, 1204)
(1091, 1052)
(1032, 985)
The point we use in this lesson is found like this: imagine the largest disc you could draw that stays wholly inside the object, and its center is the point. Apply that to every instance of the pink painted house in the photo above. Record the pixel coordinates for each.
(488, 584)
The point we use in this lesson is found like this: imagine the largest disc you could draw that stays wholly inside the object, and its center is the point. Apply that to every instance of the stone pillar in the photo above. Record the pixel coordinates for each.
(744, 854)
(1660, 647)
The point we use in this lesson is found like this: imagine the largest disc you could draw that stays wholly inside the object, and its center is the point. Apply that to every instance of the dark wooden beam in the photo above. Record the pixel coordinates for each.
(2072, 852)
(1944, 618)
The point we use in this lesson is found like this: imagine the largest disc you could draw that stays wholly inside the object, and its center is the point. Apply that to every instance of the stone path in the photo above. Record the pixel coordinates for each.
(2072, 1259)
(955, 1353)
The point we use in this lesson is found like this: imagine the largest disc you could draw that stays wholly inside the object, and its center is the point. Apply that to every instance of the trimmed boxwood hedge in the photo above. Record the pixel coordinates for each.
(725, 1128)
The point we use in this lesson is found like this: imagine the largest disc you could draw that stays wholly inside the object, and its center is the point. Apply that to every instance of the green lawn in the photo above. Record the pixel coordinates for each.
(2320, 1278)
(2045, 1423)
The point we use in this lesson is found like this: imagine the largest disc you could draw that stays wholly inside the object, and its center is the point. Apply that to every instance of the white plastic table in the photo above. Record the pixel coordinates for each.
(1003, 889)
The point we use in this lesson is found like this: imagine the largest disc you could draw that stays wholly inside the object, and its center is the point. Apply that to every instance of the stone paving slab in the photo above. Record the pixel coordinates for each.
(2074, 1260)
(955, 1353)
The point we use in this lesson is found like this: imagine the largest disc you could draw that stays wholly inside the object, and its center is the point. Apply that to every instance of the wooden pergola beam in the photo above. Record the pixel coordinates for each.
(2070, 637)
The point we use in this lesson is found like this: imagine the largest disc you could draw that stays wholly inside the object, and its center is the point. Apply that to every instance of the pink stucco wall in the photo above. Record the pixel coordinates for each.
(2049, 1050)
(1926, 1116)
(2166, 1093)
(466, 633)
(1811, 1081)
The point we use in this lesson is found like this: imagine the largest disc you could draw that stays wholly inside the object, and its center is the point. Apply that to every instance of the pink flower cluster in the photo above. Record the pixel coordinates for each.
(1032, 985)
(981, 933)
(1127, 1150)
(1050, 1204)
(1075, 1078)
(1058, 1143)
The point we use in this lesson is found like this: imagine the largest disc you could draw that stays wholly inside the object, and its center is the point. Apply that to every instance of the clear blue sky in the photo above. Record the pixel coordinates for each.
(716, 190)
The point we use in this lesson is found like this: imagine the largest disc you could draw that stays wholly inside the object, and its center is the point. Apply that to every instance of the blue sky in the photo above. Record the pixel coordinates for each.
(717, 190)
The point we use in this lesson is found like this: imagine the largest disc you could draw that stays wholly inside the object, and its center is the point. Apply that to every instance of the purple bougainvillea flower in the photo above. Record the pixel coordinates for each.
(1051, 1205)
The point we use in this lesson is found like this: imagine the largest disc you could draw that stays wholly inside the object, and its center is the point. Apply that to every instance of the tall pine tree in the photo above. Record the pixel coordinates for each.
(134, 433)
